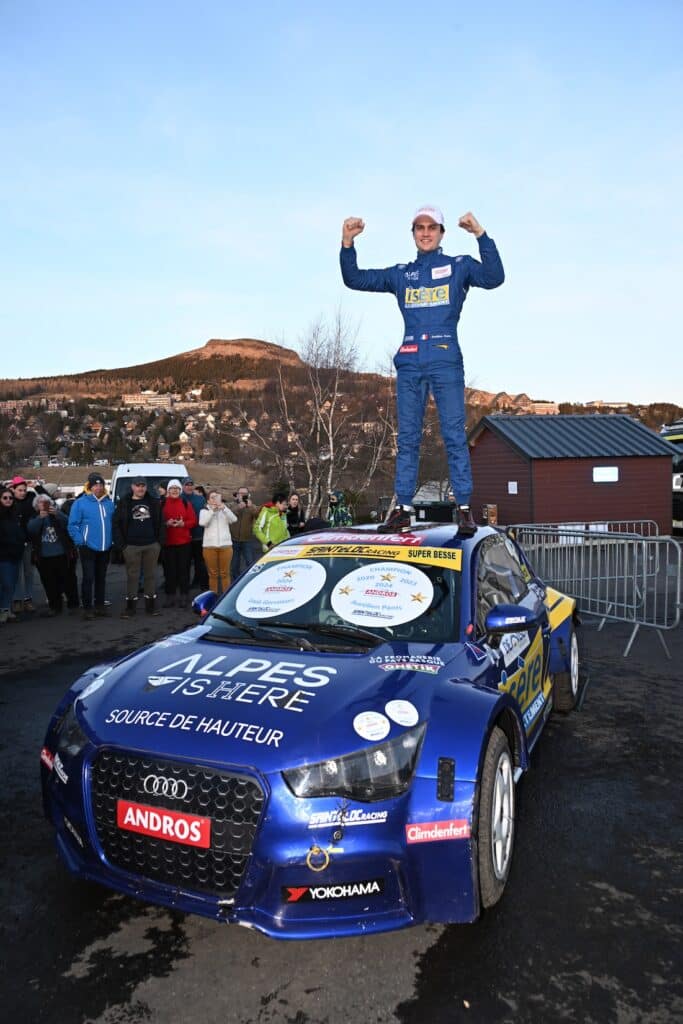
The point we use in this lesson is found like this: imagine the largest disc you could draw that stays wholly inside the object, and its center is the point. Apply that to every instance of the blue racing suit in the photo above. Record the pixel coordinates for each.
(430, 293)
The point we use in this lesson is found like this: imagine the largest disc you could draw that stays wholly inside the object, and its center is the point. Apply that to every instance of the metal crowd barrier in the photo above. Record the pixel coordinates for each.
(613, 574)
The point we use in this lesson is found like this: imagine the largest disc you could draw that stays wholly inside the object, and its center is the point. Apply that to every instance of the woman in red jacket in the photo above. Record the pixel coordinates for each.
(179, 517)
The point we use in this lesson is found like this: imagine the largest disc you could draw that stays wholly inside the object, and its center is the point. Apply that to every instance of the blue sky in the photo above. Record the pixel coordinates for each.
(175, 172)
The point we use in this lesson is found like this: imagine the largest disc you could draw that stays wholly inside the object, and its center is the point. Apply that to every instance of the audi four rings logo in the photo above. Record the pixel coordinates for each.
(159, 785)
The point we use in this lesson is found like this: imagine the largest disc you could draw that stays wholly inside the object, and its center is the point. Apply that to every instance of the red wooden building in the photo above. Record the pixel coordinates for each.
(549, 469)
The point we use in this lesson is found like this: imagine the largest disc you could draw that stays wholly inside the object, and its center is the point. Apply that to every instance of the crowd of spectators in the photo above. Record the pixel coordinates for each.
(200, 541)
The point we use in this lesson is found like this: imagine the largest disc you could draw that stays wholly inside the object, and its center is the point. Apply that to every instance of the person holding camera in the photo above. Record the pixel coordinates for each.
(242, 530)
(217, 520)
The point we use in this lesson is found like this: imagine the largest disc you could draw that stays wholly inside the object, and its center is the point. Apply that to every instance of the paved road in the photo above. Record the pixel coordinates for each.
(589, 929)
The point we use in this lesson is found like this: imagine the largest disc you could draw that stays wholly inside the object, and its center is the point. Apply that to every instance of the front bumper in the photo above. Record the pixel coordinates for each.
(368, 879)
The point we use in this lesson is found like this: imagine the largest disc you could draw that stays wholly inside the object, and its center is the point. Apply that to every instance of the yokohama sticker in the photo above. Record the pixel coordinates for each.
(187, 829)
(343, 891)
(436, 831)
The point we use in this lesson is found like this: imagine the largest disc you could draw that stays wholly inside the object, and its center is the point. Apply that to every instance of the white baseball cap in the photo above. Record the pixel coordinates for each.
(429, 211)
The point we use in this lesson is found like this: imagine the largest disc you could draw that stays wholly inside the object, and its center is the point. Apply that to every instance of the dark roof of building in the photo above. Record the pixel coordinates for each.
(575, 437)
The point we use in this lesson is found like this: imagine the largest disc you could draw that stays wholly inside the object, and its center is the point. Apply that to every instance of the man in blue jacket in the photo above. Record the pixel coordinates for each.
(90, 528)
(430, 293)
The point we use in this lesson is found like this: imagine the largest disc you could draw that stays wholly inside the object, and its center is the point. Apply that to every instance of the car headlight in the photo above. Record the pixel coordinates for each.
(70, 737)
(376, 773)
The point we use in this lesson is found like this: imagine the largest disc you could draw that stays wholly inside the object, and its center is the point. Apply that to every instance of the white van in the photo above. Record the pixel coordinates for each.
(155, 473)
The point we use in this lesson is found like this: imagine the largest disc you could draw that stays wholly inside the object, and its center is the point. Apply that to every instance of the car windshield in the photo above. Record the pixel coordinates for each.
(123, 485)
(339, 601)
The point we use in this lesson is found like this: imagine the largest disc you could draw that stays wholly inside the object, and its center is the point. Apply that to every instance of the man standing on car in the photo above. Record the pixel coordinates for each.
(430, 293)
(90, 528)
(137, 532)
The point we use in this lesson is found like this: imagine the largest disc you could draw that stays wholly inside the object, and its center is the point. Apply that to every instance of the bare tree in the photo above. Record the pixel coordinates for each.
(328, 431)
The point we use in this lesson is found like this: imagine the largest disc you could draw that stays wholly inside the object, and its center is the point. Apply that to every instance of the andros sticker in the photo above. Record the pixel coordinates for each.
(186, 829)
(382, 594)
(437, 831)
(280, 589)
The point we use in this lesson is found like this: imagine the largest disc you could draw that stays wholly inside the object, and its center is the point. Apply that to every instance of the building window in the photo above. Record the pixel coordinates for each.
(605, 474)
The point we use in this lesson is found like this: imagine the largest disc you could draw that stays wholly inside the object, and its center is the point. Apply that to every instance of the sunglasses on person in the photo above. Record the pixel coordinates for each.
(7, 497)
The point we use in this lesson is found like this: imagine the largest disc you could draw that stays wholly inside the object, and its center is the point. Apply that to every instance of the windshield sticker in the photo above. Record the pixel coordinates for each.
(447, 558)
(402, 539)
(402, 712)
(280, 589)
(428, 663)
(290, 551)
(370, 725)
(382, 594)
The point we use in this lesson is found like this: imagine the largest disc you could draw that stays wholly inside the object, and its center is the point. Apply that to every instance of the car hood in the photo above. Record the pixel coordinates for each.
(271, 707)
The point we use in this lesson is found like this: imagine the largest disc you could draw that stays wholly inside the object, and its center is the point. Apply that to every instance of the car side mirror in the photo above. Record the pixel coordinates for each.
(204, 603)
(511, 618)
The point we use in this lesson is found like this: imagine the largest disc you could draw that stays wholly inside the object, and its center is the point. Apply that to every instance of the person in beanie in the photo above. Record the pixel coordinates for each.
(53, 549)
(430, 293)
(271, 524)
(179, 518)
(340, 514)
(217, 519)
(137, 533)
(200, 577)
(90, 528)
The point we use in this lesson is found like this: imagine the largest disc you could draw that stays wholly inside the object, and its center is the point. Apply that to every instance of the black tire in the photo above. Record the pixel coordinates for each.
(566, 684)
(496, 839)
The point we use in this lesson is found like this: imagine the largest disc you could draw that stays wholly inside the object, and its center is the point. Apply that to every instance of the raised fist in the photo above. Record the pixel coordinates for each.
(468, 222)
(352, 226)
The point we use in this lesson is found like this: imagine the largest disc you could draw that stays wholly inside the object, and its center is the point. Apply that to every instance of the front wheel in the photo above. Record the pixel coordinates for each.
(566, 684)
(496, 818)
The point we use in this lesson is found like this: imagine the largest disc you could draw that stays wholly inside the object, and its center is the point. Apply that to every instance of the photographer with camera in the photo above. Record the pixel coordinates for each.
(217, 519)
(244, 551)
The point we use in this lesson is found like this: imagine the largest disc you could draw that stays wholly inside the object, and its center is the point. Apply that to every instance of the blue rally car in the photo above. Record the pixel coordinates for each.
(333, 749)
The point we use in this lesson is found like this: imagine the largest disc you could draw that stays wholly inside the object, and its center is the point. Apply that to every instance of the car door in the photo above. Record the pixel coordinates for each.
(521, 665)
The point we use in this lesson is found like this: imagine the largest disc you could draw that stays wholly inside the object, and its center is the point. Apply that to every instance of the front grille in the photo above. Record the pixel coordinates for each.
(233, 803)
